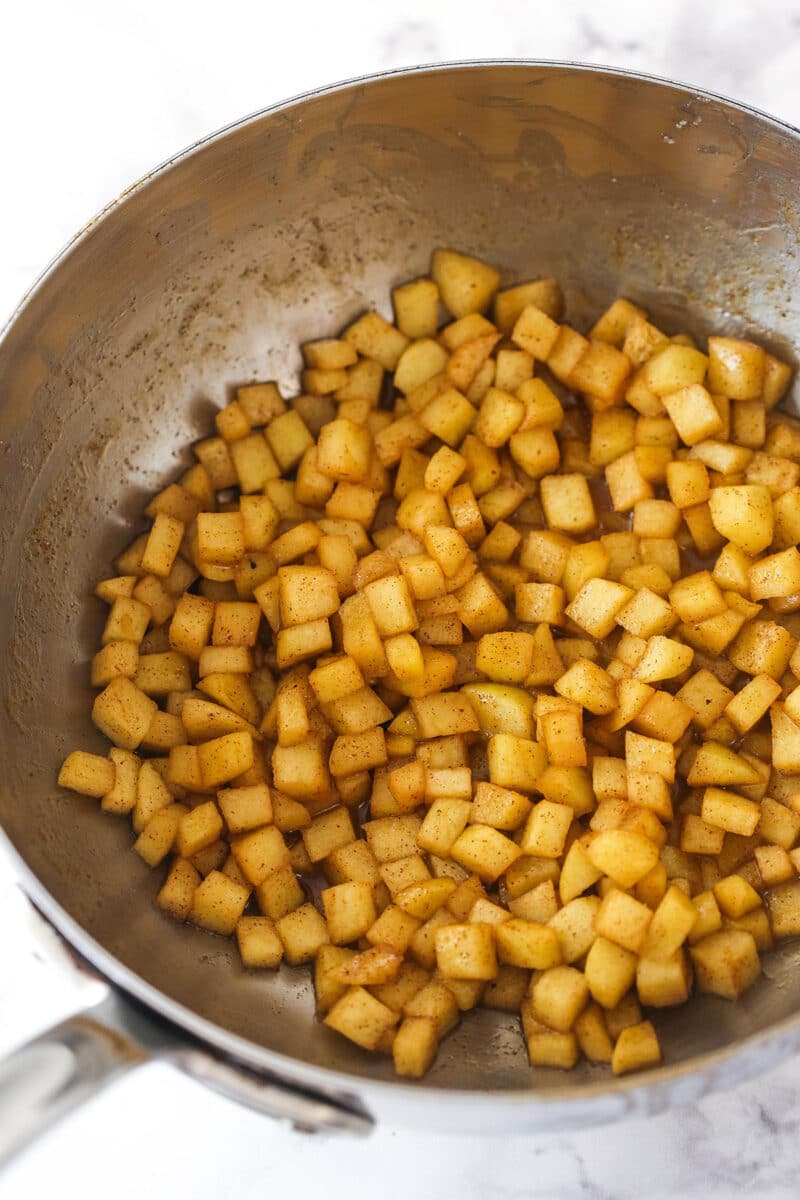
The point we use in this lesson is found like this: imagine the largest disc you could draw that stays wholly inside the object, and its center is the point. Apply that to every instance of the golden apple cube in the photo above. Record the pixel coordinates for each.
(623, 855)
(218, 903)
(735, 368)
(123, 713)
(623, 919)
(88, 774)
(637, 1047)
(567, 503)
(465, 284)
(302, 931)
(610, 971)
(259, 944)
(559, 995)
(672, 923)
(465, 952)
(743, 515)
(528, 944)
(726, 963)
(414, 1046)
(485, 851)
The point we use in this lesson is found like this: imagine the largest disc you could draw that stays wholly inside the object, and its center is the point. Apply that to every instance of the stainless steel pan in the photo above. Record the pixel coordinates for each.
(208, 273)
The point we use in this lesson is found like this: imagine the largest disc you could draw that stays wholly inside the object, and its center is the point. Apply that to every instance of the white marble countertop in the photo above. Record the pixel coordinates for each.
(93, 95)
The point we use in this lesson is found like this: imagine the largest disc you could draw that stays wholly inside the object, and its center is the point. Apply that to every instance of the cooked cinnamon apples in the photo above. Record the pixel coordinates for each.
(494, 631)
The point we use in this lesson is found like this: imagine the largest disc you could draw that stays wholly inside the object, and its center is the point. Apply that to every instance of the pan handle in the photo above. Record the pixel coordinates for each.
(50, 1075)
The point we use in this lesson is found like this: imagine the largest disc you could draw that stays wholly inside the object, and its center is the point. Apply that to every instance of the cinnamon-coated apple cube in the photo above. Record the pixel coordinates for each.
(253, 462)
(663, 984)
(535, 332)
(664, 658)
(596, 606)
(688, 483)
(545, 294)
(306, 594)
(516, 762)
(610, 971)
(499, 807)
(414, 1047)
(735, 368)
(786, 509)
(222, 759)
(444, 821)
(627, 486)
(505, 657)
(567, 503)
(559, 995)
(762, 648)
(87, 774)
(743, 514)
(218, 903)
(546, 830)
(612, 435)
(123, 713)
(567, 351)
(718, 765)
(192, 621)
(220, 537)
(527, 944)
(574, 924)
(465, 952)
(328, 831)
(213, 456)
(601, 371)
(246, 808)
(344, 451)
(444, 470)
(349, 910)
(726, 963)
(636, 1047)
(776, 575)
(466, 285)
(499, 416)
(121, 796)
(547, 1047)
(127, 621)
(198, 828)
(587, 684)
(614, 324)
(177, 893)
(624, 855)
(416, 308)
(779, 823)
(303, 932)
(259, 853)
(592, 1034)
(300, 642)
(673, 367)
(163, 544)
(731, 812)
(259, 944)
(236, 623)
(485, 851)
(435, 1000)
